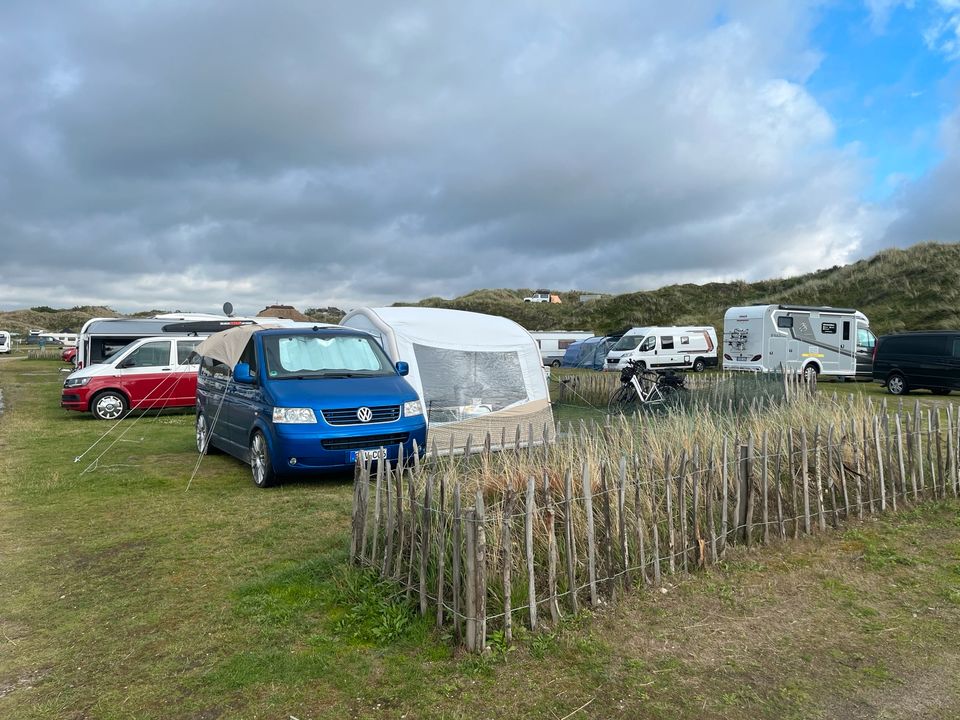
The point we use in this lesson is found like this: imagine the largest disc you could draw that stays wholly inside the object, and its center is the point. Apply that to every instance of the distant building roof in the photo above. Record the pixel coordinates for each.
(288, 312)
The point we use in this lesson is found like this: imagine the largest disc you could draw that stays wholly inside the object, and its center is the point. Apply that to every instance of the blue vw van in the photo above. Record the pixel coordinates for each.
(292, 400)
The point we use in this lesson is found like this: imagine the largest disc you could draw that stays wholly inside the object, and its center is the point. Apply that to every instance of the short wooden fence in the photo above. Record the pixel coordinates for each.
(480, 559)
(729, 391)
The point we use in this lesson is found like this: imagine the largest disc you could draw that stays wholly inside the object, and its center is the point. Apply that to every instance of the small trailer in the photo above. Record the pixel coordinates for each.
(554, 343)
(798, 338)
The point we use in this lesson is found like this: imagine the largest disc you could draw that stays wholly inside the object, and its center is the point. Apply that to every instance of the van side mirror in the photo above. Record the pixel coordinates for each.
(403, 368)
(242, 374)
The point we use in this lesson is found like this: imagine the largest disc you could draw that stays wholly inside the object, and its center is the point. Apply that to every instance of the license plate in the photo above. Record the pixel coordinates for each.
(367, 455)
(741, 358)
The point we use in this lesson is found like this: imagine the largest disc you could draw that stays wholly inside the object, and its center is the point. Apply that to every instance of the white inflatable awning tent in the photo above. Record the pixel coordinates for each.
(475, 373)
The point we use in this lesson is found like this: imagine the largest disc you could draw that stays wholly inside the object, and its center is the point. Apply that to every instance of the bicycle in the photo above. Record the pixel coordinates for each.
(642, 389)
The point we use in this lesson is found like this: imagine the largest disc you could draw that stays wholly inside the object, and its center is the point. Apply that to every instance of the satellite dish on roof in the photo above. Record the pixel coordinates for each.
(228, 309)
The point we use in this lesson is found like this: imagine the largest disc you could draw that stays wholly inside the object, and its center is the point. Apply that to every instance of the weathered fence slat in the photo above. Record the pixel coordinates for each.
(548, 520)
(530, 509)
(591, 536)
(569, 541)
(507, 542)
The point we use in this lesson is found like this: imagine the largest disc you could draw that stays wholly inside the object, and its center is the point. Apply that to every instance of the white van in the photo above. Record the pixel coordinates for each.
(6, 343)
(675, 347)
(554, 343)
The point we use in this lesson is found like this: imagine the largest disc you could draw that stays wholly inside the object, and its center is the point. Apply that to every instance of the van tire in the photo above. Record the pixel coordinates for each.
(699, 365)
(109, 405)
(555, 363)
(261, 467)
(897, 384)
(204, 446)
(810, 372)
(641, 365)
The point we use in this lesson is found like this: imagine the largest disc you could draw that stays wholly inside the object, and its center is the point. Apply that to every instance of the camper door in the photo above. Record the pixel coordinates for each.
(829, 330)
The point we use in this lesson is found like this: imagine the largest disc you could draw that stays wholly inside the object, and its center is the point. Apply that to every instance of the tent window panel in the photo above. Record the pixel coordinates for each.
(456, 379)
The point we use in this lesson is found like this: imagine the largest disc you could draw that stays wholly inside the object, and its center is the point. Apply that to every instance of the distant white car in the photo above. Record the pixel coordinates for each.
(539, 296)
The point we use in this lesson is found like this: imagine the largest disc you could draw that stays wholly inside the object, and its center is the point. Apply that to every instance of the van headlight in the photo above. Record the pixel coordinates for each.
(412, 408)
(75, 382)
(300, 416)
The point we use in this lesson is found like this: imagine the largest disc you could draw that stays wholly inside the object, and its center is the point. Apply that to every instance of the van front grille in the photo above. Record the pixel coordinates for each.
(364, 442)
(348, 416)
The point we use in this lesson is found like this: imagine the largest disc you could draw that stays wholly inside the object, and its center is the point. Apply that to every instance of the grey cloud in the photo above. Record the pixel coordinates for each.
(350, 153)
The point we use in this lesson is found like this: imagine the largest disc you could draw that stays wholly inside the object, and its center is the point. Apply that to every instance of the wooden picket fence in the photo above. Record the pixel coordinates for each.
(480, 558)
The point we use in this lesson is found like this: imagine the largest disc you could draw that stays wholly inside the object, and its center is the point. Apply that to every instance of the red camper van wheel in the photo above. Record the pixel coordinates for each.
(109, 405)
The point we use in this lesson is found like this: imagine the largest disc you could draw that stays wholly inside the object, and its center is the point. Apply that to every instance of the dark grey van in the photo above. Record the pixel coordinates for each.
(928, 360)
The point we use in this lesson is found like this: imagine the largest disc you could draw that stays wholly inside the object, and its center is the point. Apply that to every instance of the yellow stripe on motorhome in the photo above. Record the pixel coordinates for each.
(811, 355)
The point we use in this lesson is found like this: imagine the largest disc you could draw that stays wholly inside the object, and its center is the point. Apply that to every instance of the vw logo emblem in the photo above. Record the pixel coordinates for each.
(364, 414)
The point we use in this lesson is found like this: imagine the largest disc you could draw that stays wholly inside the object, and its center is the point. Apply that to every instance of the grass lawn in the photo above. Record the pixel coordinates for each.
(126, 594)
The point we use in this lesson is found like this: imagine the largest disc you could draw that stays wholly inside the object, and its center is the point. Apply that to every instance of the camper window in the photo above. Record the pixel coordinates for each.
(666, 342)
(785, 321)
(249, 356)
(649, 344)
(185, 349)
(865, 339)
(684, 340)
(846, 329)
(564, 344)
(215, 368)
(828, 328)
(152, 354)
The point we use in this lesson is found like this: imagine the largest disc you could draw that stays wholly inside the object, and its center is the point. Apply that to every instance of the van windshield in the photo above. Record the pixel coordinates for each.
(628, 342)
(298, 356)
(115, 353)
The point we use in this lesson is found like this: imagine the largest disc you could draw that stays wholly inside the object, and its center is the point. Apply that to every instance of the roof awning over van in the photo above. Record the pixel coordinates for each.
(227, 346)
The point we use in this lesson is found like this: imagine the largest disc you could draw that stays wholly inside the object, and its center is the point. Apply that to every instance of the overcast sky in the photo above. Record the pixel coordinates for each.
(179, 154)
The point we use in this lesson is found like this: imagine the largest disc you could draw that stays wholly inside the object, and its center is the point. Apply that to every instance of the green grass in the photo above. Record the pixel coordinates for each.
(124, 594)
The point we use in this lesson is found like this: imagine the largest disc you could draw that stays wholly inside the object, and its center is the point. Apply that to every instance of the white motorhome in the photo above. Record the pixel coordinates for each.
(6, 343)
(798, 338)
(679, 347)
(554, 343)
(101, 337)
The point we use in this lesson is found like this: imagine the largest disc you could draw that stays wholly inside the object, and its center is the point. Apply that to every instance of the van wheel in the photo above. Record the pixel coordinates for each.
(260, 464)
(810, 373)
(699, 365)
(555, 363)
(203, 436)
(897, 385)
(109, 405)
(641, 365)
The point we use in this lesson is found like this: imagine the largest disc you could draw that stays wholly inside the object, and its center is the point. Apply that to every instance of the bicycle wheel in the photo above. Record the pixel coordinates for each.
(673, 397)
(623, 400)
